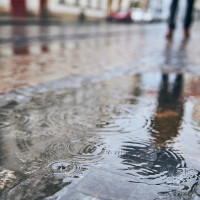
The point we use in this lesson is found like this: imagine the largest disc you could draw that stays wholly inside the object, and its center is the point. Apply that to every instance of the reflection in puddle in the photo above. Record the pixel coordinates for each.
(151, 162)
(168, 118)
(140, 128)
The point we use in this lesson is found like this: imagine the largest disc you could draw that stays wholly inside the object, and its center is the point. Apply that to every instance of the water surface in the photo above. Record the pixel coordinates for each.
(145, 126)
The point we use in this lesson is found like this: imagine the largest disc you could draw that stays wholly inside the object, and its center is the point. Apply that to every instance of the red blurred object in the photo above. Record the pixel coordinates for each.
(18, 8)
(43, 4)
(43, 7)
(120, 16)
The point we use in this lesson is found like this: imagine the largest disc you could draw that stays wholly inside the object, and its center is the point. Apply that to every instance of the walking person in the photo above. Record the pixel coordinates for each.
(187, 20)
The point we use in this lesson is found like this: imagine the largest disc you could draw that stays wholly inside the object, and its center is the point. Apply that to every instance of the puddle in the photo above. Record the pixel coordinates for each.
(145, 126)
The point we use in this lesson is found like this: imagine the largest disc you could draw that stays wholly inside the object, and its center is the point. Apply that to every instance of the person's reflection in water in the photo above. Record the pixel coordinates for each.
(167, 120)
(153, 160)
(175, 59)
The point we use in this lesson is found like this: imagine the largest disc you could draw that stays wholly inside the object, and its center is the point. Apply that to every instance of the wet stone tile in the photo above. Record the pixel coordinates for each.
(75, 195)
(143, 191)
(102, 184)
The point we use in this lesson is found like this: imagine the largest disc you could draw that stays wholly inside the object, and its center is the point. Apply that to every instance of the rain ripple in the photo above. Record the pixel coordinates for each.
(150, 162)
(76, 149)
(123, 124)
(73, 156)
(155, 165)
(63, 167)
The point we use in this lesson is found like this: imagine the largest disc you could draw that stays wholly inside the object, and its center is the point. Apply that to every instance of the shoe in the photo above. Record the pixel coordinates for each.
(187, 33)
(169, 34)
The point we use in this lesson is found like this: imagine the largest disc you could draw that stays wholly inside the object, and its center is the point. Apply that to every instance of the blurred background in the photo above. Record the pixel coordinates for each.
(90, 10)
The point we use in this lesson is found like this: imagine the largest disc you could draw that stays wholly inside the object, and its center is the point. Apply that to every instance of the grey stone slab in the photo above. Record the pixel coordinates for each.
(103, 184)
(147, 192)
(70, 193)
(73, 194)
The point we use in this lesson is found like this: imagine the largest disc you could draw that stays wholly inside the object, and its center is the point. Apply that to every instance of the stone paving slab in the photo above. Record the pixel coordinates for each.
(101, 184)
(105, 185)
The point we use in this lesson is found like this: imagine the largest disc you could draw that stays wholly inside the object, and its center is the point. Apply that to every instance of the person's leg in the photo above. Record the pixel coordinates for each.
(172, 18)
(173, 11)
(188, 17)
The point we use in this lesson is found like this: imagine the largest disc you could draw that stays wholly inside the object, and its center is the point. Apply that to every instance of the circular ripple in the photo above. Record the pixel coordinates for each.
(86, 151)
(76, 150)
(132, 123)
(123, 124)
(150, 162)
(63, 167)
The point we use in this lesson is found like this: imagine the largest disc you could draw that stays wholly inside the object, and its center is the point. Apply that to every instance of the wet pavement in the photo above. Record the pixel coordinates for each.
(97, 115)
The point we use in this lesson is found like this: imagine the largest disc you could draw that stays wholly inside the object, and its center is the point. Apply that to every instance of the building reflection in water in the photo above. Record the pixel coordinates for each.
(19, 35)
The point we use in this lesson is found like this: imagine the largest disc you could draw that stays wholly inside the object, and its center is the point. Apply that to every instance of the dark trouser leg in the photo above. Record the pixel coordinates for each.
(173, 11)
(188, 16)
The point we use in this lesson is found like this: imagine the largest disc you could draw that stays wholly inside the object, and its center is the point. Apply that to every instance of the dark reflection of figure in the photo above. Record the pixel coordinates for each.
(153, 163)
(169, 113)
(136, 91)
(153, 160)
(176, 59)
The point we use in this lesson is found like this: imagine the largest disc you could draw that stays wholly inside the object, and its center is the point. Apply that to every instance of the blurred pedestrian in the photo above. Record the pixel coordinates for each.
(82, 16)
(187, 20)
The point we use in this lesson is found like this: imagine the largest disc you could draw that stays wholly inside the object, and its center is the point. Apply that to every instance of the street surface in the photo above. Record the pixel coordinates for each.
(105, 111)
(33, 54)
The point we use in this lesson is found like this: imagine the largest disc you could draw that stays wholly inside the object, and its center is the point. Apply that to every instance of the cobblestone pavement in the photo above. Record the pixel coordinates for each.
(35, 54)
